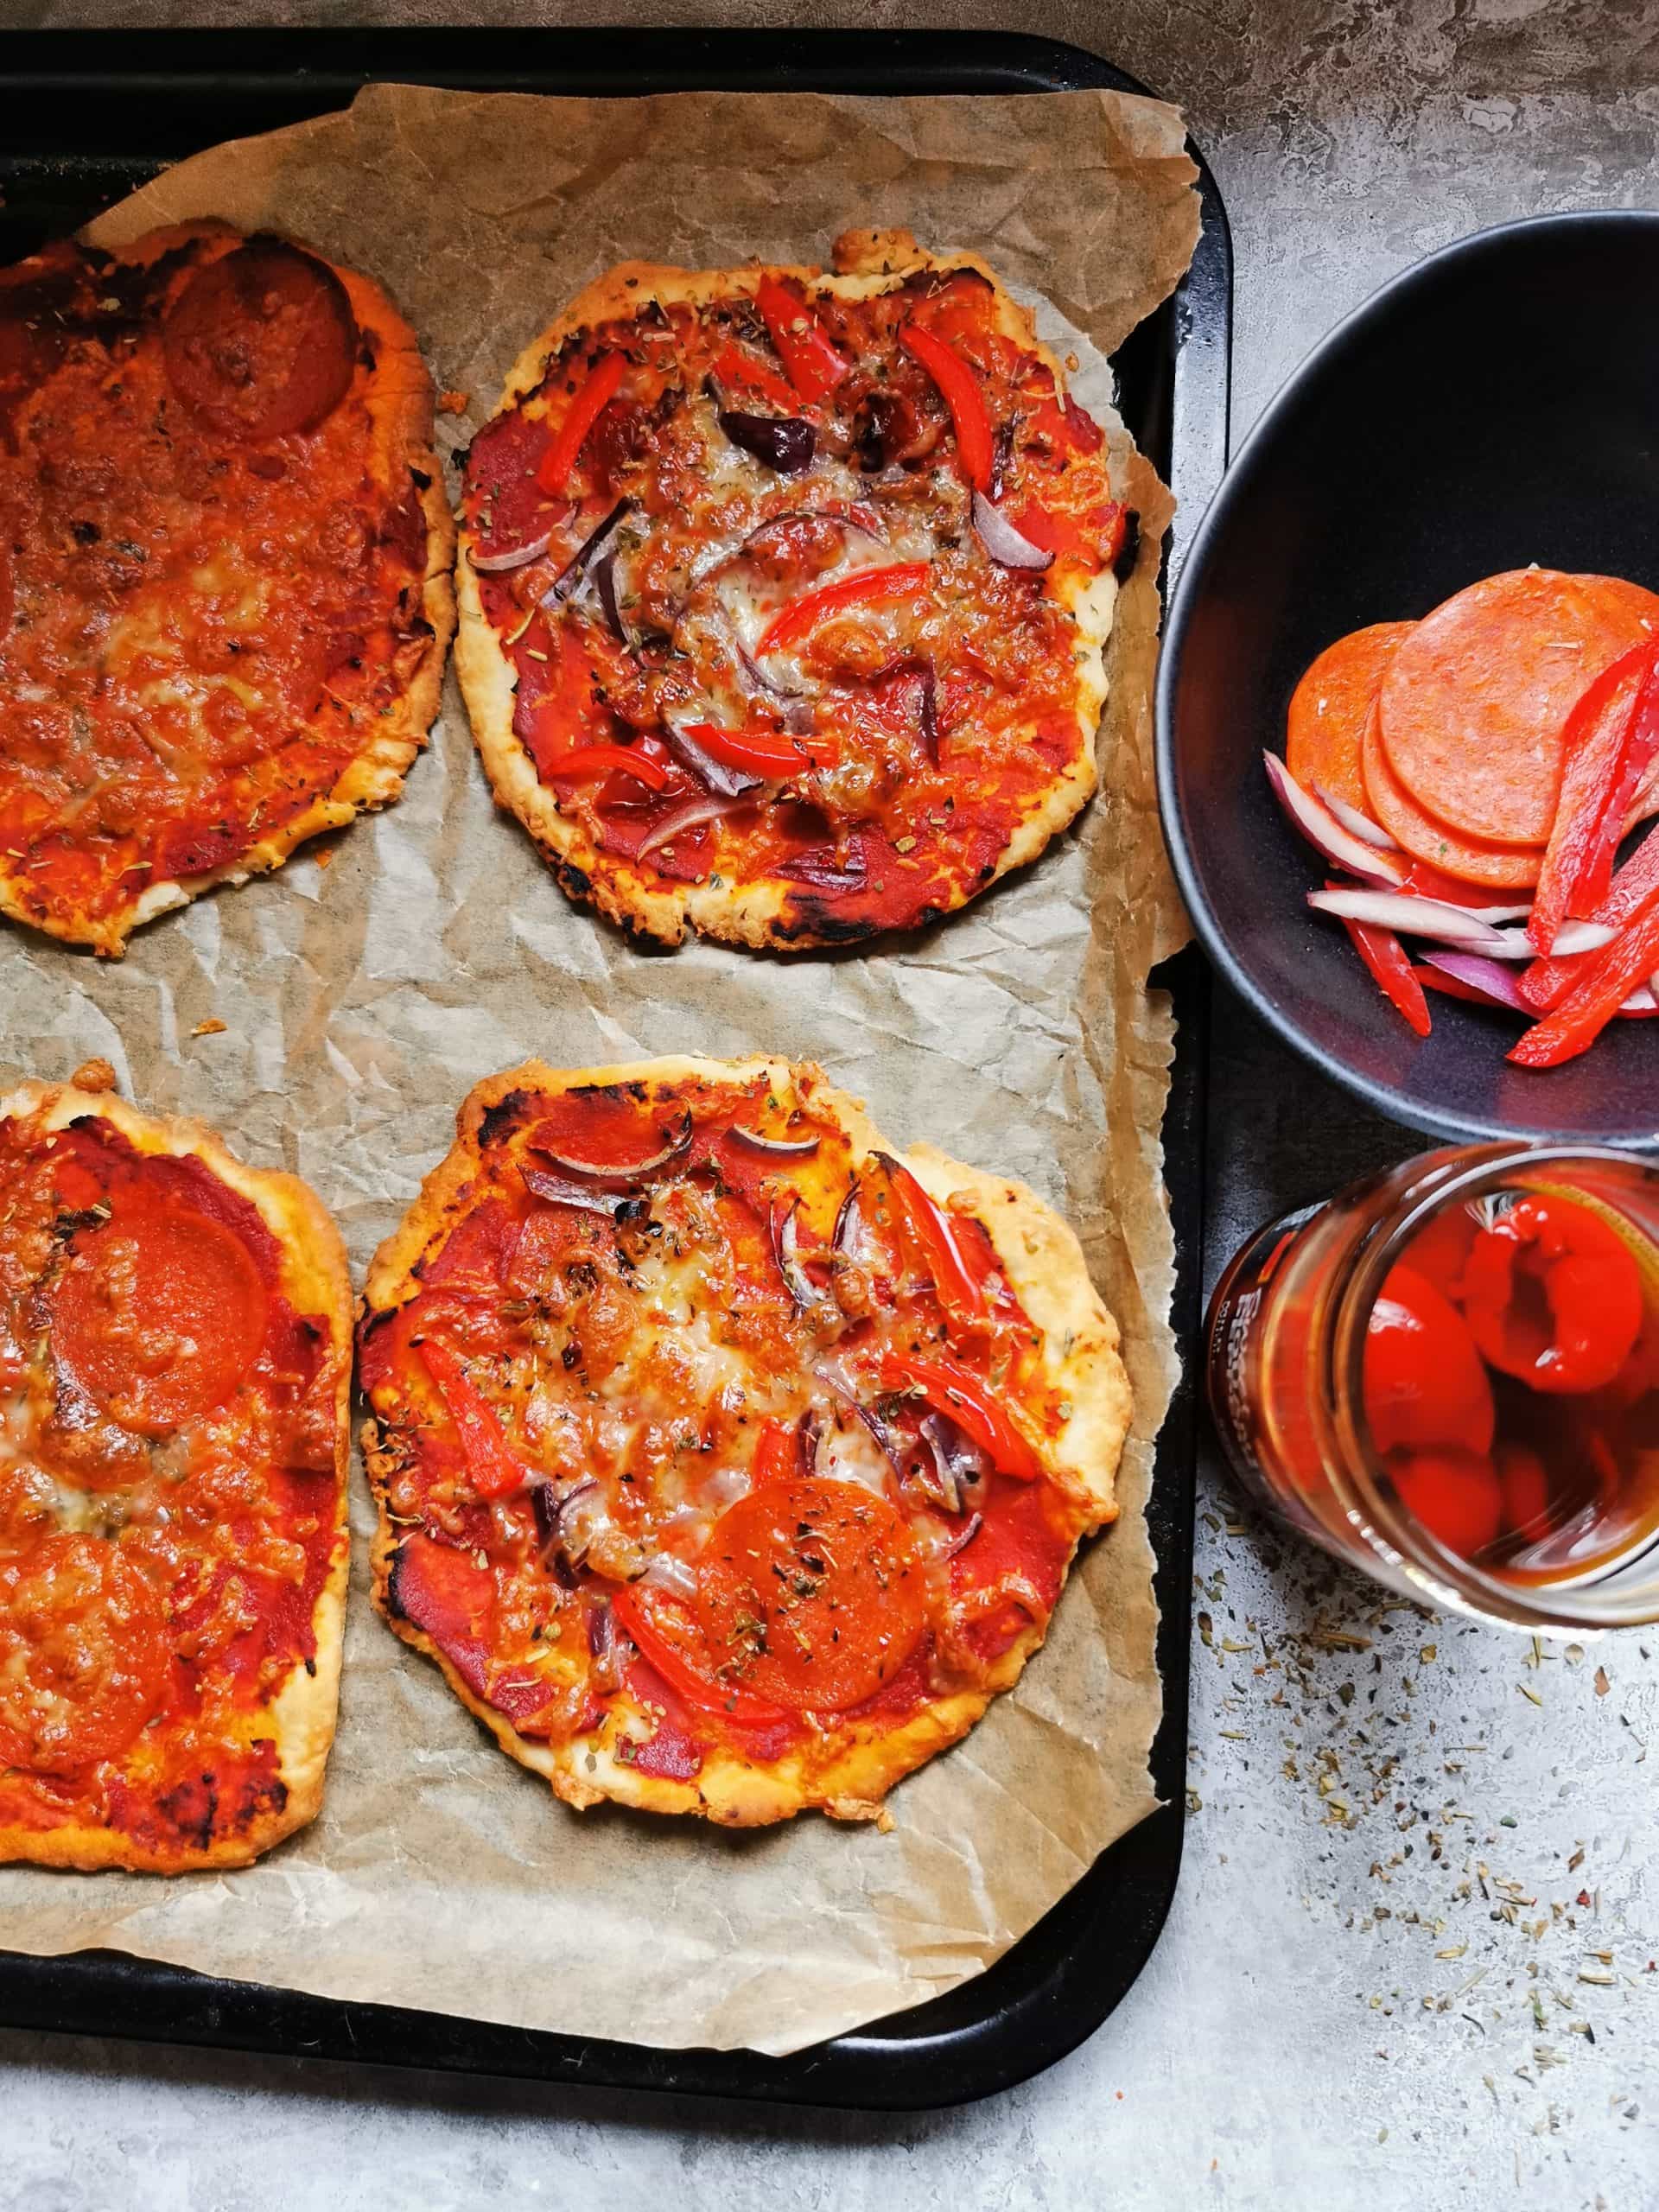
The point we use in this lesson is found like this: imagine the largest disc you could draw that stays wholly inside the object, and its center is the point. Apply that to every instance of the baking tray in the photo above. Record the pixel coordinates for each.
(90, 118)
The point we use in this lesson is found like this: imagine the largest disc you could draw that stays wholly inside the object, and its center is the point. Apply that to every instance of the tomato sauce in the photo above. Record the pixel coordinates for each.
(646, 1292)
(937, 720)
(168, 1498)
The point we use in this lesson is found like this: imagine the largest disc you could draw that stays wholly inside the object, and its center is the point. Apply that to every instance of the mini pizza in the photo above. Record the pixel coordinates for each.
(174, 1435)
(783, 594)
(225, 555)
(729, 1461)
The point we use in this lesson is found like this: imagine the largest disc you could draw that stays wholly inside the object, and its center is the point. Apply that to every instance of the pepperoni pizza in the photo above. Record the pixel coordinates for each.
(175, 1377)
(225, 553)
(783, 594)
(729, 1461)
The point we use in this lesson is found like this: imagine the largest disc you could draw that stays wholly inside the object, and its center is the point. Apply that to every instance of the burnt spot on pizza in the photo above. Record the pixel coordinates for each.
(396, 1609)
(373, 1322)
(192, 1808)
(1129, 552)
(815, 921)
(499, 1122)
(575, 882)
(630, 1094)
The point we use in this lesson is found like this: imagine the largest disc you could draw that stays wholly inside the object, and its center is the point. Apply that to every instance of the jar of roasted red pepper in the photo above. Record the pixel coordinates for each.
(1448, 1376)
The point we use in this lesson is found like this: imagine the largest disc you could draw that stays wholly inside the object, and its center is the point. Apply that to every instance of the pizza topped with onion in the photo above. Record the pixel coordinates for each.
(729, 1461)
(175, 1381)
(783, 594)
(225, 596)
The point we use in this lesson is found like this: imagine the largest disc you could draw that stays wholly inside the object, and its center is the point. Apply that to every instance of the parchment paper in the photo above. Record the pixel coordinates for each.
(363, 998)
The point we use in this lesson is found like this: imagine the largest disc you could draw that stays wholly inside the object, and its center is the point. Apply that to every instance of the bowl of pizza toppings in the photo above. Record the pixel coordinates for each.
(1408, 716)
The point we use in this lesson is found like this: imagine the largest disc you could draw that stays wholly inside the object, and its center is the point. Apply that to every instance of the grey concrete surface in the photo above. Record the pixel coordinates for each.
(1412, 1962)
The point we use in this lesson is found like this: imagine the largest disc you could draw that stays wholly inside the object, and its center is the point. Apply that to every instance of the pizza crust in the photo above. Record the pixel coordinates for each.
(866, 262)
(401, 412)
(1045, 1266)
(316, 1280)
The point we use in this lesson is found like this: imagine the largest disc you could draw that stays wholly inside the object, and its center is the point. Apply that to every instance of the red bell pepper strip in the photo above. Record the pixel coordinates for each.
(674, 1646)
(814, 365)
(966, 1398)
(959, 389)
(1635, 755)
(1543, 984)
(864, 588)
(1597, 993)
(612, 759)
(1396, 979)
(1592, 747)
(760, 752)
(961, 1293)
(1592, 1294)
(777, 1456)
(594, 393)
(496, 1470)
(734, 366)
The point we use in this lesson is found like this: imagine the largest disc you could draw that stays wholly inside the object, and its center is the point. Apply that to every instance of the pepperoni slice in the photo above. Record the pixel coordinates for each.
(809, 1593)
(83, 1654)
(608, 1132)
(260, 342)
(1325, 737)
(1500, 867)
(159, 1315)
(1472, 711)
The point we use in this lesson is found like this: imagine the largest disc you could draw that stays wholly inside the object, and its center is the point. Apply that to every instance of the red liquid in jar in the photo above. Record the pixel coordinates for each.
(1511, 1384)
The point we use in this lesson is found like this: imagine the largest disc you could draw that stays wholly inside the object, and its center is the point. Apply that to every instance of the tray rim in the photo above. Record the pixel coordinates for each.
(903, 2062)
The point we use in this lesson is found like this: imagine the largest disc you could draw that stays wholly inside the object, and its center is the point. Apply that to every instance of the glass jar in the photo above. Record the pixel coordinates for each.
(1284, 1370)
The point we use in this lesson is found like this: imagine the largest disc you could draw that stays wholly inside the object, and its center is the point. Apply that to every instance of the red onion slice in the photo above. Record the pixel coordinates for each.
(713, 775)
(1496, 982)
(549, 1504)
(758, 675)
(1576, 936)
(1005, 544)
(1324, 833)
(690, 816)
(955, 1449)
(1581, 937)
(961, 1541)
(496, 564)
(1373, 833)
(871, 1419)
(847, 1223)
(561, 1192)
(1411, 917)
(604, 584)
(605, 1646)
(786, 1250)
(778, 1147)
(577, 567)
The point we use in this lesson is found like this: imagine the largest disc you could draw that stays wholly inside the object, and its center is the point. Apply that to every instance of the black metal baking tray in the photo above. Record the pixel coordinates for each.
(89, 118)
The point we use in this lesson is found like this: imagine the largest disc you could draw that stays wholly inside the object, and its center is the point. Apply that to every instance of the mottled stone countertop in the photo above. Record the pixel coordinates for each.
(1411, 1960)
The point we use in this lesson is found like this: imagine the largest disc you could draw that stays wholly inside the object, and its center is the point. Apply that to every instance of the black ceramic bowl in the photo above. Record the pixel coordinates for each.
(1497, 405)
